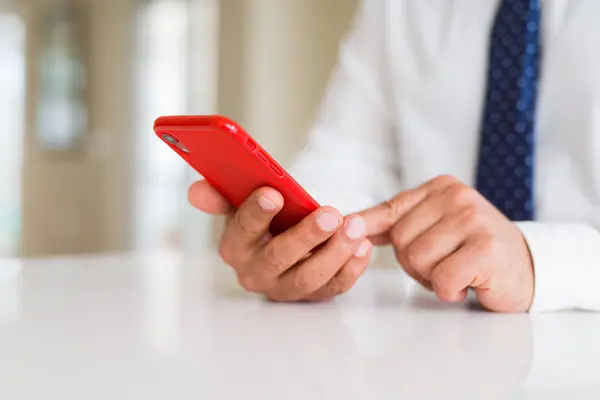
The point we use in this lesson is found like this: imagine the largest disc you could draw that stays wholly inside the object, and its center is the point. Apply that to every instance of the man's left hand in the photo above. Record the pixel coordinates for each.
(450, 238)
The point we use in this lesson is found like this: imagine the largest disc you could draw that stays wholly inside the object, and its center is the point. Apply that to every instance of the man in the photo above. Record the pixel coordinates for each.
(495, 105)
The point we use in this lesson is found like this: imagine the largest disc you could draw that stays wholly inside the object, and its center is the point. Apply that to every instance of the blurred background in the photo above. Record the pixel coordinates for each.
(81, 82)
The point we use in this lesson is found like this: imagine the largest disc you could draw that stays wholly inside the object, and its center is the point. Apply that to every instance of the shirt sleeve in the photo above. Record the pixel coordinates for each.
(566, 260)
(349, 162)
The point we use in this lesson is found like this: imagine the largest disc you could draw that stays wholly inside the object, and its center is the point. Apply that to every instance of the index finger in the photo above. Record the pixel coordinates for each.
(208, 199)
(380, 219)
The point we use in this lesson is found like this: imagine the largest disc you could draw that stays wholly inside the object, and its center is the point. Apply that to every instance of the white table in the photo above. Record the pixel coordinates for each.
(140, 327)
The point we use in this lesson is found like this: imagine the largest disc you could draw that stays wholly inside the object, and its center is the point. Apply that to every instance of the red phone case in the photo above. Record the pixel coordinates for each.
(235, 164)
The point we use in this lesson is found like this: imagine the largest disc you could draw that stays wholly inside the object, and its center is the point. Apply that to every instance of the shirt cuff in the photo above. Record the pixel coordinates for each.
(566, 259)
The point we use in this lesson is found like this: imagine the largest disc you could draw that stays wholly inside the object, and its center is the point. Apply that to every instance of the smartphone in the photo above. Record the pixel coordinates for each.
(234, 163)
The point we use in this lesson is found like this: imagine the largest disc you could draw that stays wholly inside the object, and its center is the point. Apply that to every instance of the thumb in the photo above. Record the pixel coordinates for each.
(206, 198)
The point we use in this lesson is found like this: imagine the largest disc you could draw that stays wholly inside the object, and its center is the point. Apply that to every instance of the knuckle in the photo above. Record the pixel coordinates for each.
(274, 264)
(337, 287)
(470, 213)
(416, 258)
(486, 244)
(391, 207)
(442, 284)
(420, 250)
(472, 217)
(248, 283)
(443, 180)
(397, 205)
(226, 253)
(443, 292)
(398, 237)
(241, 220)
(304, 282)
(460, 194)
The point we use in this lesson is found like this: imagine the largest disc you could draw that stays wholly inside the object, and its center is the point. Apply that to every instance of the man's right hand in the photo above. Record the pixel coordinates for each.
(287, 267)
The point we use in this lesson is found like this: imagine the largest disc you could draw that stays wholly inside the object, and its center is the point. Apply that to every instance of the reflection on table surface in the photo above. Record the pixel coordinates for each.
(128, 326)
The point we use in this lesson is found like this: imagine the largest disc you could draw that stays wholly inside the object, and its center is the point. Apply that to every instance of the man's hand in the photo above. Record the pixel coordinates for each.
(287, 267)
(449, 238)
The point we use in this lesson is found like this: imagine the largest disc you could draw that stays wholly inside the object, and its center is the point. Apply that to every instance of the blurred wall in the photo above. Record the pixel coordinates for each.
(79, 201)
(275, 60)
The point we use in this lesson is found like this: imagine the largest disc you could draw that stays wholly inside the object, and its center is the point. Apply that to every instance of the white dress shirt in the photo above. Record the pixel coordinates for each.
(405, 105)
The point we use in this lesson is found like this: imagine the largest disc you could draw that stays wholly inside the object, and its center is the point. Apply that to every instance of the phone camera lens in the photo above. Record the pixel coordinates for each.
(169, 139)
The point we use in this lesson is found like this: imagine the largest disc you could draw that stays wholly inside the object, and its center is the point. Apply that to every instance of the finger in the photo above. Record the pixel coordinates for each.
(315, 272)
(251, 221)
(383, 239)
(412, 272)
(466, 268)
(347, 276)
(206, 198)
(290, 247)
(438, 242)
(412, 224)
(382, 217)
(416, 221)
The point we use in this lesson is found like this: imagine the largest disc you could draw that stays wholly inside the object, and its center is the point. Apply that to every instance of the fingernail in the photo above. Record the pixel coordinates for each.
(267, 204)
(363, 249)
(356, 228)
(327, 222)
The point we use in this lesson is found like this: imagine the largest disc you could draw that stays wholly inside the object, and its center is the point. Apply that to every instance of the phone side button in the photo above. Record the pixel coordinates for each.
(251, 144)
(262, 156)
(277, 170)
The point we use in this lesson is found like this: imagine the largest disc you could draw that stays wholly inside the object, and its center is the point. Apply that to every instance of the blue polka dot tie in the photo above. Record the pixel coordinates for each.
(506, 152)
